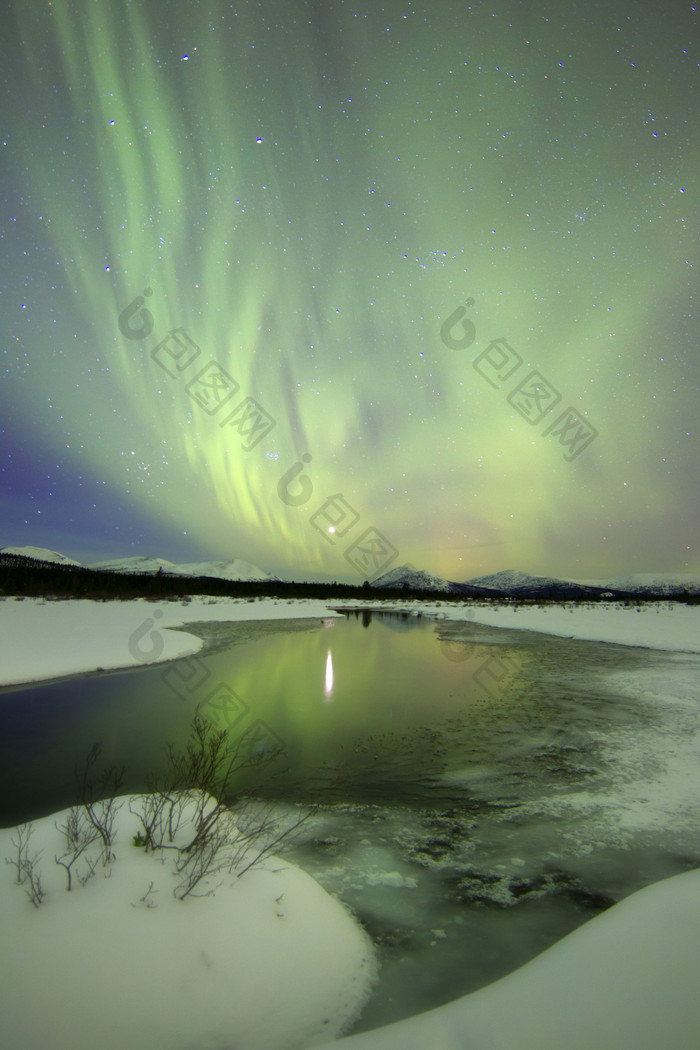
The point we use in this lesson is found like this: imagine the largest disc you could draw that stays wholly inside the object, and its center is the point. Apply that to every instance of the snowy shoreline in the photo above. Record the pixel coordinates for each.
(39, 636)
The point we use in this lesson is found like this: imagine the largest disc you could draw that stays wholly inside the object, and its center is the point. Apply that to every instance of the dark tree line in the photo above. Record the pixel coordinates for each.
(21, 576)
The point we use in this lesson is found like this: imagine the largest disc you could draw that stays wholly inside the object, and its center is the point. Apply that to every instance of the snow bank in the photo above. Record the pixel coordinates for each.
(269, 962)
(626, 980)
(656, 625)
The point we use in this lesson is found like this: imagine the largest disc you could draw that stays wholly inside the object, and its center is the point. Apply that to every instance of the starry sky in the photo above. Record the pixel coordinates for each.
(336, 287)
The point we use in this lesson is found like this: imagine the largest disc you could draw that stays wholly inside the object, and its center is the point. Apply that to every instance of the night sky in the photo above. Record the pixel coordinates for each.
(421, 274)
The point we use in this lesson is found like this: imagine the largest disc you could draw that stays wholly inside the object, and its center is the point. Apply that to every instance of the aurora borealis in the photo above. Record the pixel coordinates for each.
(302, 195)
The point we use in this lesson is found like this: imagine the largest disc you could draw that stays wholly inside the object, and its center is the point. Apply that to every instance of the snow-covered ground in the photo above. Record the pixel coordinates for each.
(269, 961)
(99, 969)
(656, 625)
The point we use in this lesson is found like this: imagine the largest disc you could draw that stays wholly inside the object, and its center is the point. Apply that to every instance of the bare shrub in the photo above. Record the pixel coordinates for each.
(259, 835)
(205, 855)
(97, 793)
(160, 813)
(20, 840)
(221, 839)
(26, 865)
(79, 833)
(34, 890)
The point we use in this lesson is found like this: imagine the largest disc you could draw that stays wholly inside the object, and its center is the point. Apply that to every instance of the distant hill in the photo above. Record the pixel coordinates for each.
(39, 554)
(670, 583)
(516, 584)
(236, 569)
(412, 579)
(509, 583)
(138, 564)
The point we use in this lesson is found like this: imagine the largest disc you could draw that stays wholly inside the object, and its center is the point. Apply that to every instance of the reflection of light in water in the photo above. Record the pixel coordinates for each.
(329, 675)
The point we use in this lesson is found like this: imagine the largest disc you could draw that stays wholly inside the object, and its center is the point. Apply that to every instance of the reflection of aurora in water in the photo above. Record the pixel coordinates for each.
(375, 718)
(308, 192)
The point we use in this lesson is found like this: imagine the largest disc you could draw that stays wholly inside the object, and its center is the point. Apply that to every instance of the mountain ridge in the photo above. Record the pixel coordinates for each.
(237, 569)
(511, 583)
(515, 583)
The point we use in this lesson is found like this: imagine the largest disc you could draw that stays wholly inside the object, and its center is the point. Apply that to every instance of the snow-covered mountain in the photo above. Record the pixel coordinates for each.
(137, 564)
(407, 578)
(513, 583)
(507, 583)
(413, 579)
(508, 580)
(236, 569)
(40, 554)
(650, 583)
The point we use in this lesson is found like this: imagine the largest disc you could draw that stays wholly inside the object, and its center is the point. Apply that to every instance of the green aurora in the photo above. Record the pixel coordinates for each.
(308, 192)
